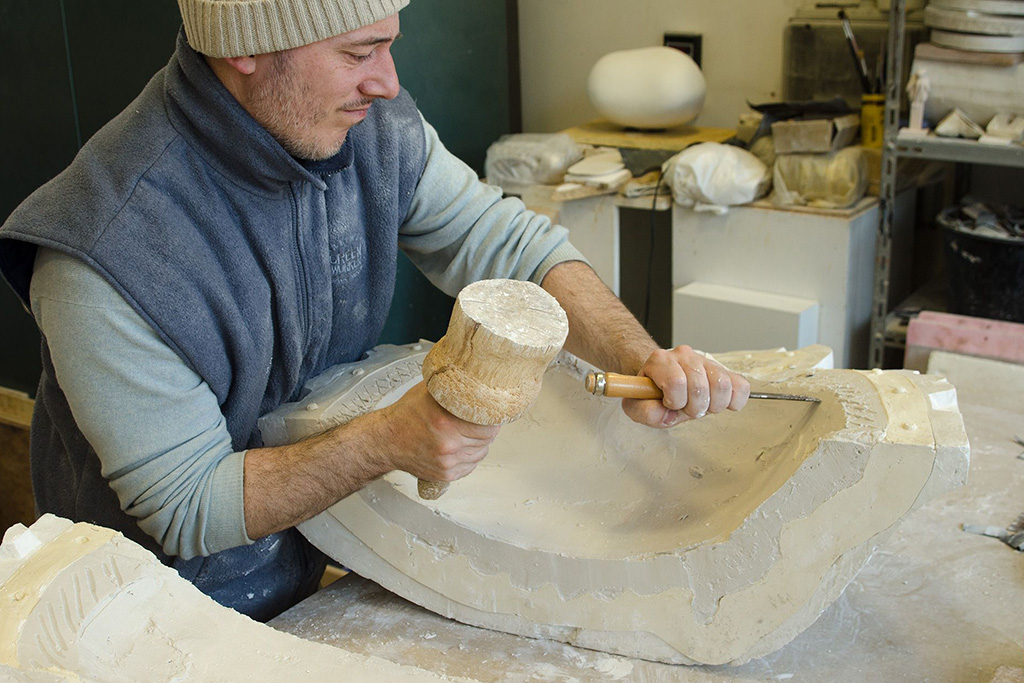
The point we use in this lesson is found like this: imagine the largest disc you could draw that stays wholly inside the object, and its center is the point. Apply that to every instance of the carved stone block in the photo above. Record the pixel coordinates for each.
(714, 542)
(82, 603)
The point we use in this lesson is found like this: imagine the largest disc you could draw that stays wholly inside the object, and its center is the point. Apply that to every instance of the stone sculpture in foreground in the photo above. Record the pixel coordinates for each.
(715, 542)
(83, 603)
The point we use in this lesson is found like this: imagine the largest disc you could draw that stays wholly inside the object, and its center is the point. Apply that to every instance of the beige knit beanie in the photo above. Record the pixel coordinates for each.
(233, 28)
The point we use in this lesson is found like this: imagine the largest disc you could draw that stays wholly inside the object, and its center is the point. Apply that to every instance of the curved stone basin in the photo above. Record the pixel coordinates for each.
(713, 542)
(576, 477)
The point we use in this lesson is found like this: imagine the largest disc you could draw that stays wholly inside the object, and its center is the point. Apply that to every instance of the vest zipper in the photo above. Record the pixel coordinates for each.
(301, 268)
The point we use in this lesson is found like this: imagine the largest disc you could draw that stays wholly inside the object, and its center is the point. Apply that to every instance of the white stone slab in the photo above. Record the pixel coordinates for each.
(720, 318)
(1003, 382)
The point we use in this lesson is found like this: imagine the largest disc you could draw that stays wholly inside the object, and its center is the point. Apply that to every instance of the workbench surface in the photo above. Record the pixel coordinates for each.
(933, 604)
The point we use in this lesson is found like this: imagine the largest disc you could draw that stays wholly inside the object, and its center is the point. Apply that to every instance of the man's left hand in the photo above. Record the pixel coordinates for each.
(693, 386)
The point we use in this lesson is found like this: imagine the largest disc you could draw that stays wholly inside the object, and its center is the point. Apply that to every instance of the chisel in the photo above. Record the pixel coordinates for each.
(614, 385)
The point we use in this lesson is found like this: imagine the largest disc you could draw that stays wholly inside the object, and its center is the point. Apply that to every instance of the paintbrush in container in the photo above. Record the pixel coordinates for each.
(858, 54)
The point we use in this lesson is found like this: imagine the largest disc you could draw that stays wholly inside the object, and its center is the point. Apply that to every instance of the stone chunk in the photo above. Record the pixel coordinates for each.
(83, 603)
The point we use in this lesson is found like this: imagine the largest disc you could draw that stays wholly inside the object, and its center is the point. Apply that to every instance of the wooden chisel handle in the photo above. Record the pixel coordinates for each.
(614, 385)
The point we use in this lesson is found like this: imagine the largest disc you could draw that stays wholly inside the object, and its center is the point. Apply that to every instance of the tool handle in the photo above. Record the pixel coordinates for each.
(630, 386)
(431, 490)
(613, 385)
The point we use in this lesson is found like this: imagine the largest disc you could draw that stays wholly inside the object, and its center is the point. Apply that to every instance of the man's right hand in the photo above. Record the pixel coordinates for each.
(428, 442)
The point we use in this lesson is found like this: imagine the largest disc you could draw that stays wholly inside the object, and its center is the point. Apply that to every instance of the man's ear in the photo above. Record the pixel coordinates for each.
(243, 65)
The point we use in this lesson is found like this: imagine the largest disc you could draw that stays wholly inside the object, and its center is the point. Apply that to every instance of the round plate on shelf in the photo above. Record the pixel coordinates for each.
(973, 22)
(1009, 7)
(977, 43)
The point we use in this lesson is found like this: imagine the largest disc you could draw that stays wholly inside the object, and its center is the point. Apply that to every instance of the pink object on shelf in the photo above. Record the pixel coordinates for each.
(963, 334)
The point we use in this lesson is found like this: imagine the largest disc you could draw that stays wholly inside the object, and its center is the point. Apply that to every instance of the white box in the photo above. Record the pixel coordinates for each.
(717, 318)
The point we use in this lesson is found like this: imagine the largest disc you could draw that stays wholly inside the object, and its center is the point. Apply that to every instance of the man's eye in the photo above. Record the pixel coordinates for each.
(360, 57)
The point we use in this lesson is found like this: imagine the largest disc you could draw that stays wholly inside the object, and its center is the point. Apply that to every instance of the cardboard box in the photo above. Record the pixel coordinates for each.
(815, 135)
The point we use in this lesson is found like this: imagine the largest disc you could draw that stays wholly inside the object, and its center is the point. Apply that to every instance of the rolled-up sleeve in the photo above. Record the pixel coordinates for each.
(460, 230)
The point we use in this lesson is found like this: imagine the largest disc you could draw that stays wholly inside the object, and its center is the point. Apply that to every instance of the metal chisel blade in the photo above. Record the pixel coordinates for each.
(784, 397)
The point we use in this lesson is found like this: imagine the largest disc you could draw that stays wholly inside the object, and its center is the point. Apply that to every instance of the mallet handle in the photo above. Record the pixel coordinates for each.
(431, 490)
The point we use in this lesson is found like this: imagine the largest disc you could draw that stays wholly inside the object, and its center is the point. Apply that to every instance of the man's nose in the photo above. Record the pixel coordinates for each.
(383, 82)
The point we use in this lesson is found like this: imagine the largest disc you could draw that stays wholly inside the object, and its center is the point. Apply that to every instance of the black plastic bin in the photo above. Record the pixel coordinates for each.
(985, 275)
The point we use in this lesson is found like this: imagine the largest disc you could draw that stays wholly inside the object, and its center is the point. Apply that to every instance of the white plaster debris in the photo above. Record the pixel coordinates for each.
(614, 669)
(94, 606)
(549, 672)
(624, 549)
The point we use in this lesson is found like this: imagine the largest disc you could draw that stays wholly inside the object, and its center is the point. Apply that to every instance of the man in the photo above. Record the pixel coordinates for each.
(233, 233)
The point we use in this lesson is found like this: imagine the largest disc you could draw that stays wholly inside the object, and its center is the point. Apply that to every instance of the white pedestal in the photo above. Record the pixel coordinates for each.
(821, 255)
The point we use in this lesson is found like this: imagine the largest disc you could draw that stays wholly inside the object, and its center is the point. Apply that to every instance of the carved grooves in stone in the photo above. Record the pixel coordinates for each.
(368, 396)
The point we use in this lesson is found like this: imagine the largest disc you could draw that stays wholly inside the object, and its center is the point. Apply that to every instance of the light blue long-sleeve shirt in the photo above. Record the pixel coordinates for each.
(156, 425)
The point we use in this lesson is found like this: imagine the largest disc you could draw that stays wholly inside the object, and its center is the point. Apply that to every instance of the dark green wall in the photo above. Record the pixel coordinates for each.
(68, 66)
(454, 58)
(37, 125)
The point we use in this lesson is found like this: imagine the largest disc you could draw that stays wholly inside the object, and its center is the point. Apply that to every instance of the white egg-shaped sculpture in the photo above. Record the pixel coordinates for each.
(650, 87)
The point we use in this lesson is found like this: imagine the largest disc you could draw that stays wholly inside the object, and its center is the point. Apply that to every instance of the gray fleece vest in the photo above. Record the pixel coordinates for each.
(258, 272)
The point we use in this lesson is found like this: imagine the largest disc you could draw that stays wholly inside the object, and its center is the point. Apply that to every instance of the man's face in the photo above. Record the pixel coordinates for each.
(308, 97)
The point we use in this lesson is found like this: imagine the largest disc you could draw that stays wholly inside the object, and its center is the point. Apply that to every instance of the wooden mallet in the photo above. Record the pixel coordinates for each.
(488, 368)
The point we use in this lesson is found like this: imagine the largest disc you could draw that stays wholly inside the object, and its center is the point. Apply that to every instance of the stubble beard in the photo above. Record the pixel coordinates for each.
(288, 111)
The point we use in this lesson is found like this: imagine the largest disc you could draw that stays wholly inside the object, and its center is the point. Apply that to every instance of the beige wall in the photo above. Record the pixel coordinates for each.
(560, 41)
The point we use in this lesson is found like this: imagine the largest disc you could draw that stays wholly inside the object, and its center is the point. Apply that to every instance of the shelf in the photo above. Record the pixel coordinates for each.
(930, 297)
(957, 150)
(888, 327)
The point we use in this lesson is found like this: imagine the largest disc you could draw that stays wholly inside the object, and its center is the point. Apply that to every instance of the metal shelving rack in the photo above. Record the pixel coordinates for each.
(895, 147)
(962, 151)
